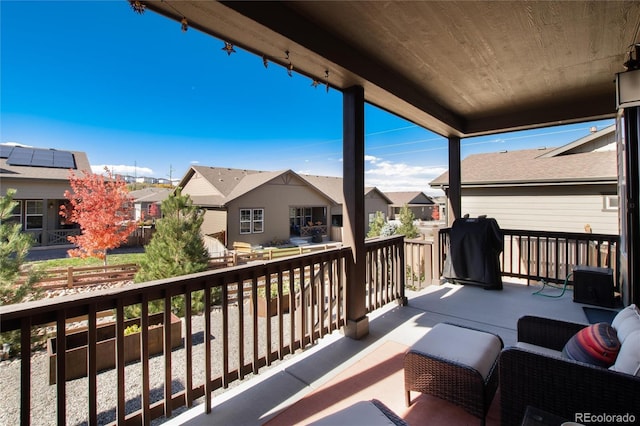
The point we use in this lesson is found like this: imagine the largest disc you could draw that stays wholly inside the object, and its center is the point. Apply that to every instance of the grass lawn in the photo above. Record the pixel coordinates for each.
(112, 259)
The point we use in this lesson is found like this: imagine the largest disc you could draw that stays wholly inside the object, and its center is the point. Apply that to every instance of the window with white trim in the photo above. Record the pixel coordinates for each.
(251, 221)
(34, 214)
(611, 203)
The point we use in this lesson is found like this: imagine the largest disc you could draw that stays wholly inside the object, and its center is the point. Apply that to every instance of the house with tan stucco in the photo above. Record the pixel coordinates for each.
(267, 207)
(40, 177)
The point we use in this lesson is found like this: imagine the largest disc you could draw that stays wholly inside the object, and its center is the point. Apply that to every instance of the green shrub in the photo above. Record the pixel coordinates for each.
(135, 328)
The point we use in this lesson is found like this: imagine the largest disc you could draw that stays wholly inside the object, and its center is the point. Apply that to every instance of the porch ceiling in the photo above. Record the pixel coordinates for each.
(458, 68)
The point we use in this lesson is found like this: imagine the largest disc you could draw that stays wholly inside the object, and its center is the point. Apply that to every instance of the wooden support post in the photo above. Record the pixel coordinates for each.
(353, 188)
(630, 214)
(455, 183)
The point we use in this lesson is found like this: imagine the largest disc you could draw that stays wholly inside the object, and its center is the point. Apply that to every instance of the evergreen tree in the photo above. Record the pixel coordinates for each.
(14, 247)
(375, 226)
(176, 247)
(407, 227)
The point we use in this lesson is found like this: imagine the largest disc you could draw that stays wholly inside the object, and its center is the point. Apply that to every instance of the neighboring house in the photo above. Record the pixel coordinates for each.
(40, 177)
(265, 207)
(374, 201)
(418, 202)
(572, 188)
(254, 207)
(148, 202)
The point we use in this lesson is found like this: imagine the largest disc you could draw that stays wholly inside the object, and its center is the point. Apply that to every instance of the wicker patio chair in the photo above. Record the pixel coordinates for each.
(558, 385)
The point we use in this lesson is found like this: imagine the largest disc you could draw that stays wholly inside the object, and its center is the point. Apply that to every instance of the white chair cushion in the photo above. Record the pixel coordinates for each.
(628, 360)
(626, 322)
(476, 349)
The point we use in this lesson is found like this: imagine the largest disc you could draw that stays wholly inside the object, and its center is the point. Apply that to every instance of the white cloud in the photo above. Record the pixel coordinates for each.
(121, 169)
(392, 177)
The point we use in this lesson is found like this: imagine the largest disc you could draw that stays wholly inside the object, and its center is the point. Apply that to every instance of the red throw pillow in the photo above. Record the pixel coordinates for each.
(596, 344)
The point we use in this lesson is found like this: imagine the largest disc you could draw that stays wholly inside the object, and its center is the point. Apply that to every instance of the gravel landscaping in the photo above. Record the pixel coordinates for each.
(43, 395)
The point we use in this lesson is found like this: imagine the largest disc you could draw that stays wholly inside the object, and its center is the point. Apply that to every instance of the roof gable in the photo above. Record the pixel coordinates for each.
(226, 184)
(595, 141)
(400, 198)
(373, 191)
(221, 180)
(330, 186)
(253, 181)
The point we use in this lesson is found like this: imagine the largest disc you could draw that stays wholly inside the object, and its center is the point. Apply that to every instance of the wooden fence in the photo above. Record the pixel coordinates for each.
(74, 276)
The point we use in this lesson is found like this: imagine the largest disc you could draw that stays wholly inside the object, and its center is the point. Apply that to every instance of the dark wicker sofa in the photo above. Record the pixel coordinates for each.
(558, 385)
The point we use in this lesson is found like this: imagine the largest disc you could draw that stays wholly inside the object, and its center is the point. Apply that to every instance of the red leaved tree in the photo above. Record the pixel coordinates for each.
(103, 208)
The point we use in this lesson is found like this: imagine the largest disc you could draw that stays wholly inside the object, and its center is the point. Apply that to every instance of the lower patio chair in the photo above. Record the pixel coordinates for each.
(535, 373)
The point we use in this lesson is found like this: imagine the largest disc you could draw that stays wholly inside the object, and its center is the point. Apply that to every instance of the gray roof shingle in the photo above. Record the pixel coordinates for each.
(531, 166)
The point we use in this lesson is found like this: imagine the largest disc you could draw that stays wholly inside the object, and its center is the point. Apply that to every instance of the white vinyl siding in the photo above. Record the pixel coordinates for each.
(562, 213)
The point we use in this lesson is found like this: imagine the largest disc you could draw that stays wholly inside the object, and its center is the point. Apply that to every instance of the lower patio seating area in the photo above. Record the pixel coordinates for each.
(339, 372)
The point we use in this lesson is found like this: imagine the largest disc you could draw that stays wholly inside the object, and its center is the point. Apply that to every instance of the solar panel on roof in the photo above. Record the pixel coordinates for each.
(5, 151)
(64, 160)
(20, 156)
(42, 158)
(37, 157)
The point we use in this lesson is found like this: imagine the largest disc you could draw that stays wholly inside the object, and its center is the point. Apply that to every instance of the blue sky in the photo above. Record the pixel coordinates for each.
(135, 92)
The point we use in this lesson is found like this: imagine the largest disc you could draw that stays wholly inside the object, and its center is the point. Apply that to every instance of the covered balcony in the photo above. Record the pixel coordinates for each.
(458, 69)
(269, 363)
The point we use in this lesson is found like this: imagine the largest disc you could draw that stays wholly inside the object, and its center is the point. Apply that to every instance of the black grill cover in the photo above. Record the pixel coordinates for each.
(475, 245)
